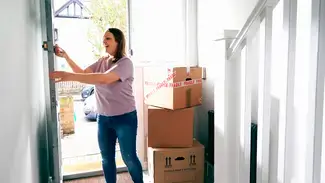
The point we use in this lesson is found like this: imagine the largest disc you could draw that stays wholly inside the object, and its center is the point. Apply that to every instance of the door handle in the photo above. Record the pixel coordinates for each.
(56, 34)
(45, 46)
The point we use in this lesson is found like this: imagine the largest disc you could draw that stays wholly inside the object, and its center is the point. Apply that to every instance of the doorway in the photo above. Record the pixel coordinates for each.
(73, 127)
(80, 34)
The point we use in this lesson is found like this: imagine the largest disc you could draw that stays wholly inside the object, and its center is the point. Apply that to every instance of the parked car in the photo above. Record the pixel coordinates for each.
(90, 108)
(87, 91)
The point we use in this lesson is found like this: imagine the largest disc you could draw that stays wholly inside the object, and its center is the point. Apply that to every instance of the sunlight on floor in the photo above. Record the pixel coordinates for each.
(80, 152)
(87, 163)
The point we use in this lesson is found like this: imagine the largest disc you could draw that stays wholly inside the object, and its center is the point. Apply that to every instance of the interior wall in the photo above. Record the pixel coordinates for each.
(22, 109)
(213, 18)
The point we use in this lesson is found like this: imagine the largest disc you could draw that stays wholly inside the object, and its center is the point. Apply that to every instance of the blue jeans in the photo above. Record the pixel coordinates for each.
(124, 128)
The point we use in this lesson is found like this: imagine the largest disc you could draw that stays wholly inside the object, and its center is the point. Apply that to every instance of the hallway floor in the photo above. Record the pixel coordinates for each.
(80, 151)
(121, 178)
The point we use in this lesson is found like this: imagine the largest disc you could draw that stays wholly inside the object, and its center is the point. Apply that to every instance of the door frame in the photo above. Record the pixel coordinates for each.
(53, 129)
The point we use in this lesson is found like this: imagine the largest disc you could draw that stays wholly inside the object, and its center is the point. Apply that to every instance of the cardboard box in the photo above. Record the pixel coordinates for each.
(170, 128)
(173, 88)
(66, 104)
(68, 116)
(67, 123)
(170, 165)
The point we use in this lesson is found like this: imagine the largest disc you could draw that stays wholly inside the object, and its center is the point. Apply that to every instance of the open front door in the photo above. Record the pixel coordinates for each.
(53, 128)
(134, 46)
(138, 84)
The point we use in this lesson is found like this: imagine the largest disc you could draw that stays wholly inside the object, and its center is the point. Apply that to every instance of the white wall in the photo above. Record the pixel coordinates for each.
(213, 18)
(22, 104)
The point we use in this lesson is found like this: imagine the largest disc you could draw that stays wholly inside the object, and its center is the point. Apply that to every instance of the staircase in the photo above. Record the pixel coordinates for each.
(273, 73)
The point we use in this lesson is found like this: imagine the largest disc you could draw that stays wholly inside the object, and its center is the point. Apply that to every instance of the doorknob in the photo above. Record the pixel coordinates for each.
(45, 46)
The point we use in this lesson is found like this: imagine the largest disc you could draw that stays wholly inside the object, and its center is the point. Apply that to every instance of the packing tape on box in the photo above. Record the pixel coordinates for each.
(174, 85)
(167, 84)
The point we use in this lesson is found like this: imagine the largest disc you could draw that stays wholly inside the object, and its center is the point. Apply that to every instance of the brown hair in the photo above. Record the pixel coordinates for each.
(121, 43)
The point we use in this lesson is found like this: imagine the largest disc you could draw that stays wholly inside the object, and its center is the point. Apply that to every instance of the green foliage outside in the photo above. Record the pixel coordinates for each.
(105, 14)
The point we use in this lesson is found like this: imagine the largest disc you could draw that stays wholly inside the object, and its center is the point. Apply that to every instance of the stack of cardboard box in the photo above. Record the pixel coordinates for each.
(66, 115)
(171, 95)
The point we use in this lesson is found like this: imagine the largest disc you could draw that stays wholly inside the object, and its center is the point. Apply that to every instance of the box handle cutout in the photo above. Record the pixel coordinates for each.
(179, 159)
(188, 79)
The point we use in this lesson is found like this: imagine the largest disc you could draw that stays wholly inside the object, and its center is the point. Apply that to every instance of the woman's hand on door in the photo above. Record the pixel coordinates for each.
(60, 52)
(59, 76)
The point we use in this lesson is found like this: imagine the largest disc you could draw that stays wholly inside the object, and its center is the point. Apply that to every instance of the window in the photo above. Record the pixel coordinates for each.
(159, 31)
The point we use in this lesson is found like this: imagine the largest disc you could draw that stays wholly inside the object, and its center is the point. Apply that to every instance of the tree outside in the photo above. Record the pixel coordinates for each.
(105, 14)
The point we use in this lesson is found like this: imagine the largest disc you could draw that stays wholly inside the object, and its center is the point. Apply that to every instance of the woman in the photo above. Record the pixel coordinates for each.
(113, 78)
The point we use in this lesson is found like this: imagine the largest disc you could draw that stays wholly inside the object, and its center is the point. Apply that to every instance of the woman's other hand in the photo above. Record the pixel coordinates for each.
(59, 76)
(60, 52)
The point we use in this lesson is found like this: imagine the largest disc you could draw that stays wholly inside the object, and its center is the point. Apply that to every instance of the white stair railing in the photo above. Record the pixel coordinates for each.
(258, 84)
(250, 51)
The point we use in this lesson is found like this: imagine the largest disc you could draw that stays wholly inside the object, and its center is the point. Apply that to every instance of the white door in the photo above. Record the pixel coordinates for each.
(53, 128)
(138, 87)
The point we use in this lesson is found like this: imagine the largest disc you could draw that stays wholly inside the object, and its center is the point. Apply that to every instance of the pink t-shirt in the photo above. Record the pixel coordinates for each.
(116, 98)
